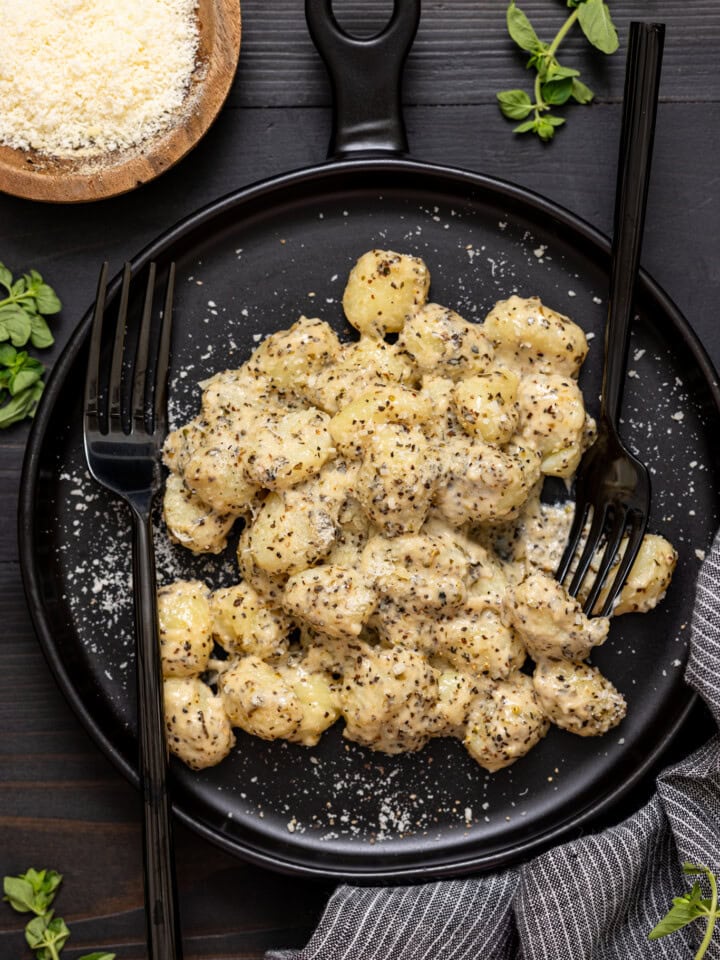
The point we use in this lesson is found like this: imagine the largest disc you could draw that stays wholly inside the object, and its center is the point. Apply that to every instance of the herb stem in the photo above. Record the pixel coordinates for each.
(562, 33)
(712, 917)
(549, 57)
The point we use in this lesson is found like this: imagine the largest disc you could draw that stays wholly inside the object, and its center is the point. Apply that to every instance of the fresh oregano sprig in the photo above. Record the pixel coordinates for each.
(554, 84)
(692, 906)
(23, 309)
(33, 892)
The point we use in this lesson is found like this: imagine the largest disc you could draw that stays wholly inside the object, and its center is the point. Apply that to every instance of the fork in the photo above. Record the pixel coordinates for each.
(612, 486)
(122, 447)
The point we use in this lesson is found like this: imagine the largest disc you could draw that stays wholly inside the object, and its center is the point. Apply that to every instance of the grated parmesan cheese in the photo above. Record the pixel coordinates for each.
(87, 77)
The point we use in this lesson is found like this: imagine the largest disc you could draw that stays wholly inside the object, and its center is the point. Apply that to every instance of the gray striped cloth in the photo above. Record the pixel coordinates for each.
(595, 898)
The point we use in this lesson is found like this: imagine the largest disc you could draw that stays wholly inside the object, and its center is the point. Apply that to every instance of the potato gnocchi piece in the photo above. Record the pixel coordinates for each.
(480, 483)
(290, 533)
(214, 474)
(649, 577)
(383, 288)
(240, 398)
(197, 728)
(185, 626)
(439, 342)
(397, 478)
(332, 599)
(577, 697)
(551, 622)
(388, 701)
(361, 366)
(243, 623)
(486, 405)
(180, 444)
(531, 338)
(290, 357)
(553, 421)
(351, 427)
(290, 450)
(445, 423)
(418, 572)
(192, 523)
(475, 640)
(259, 700)
(456, 693)
(318, 697)
(505, 722)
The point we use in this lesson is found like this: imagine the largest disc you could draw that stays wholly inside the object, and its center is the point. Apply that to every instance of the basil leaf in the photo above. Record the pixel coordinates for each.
(521, 30)
(580, 92)
(596, 23)
(557, 92)
(514, 104)
(98, 955)
(526, 127)
(5, 277)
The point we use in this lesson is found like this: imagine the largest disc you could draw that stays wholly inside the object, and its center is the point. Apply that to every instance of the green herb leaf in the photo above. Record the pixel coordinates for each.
(521, 30)
(7, 354)
(14, 324)
(556, 72)
(527, 127)
(47, 300)
(23, 404)
(546, 126)
(580, 92)
(596, 23)
(5, 277)
(19, 894)
(40, 335)
(98, 955)
(557, 92)
(683, 911)
(514, 104)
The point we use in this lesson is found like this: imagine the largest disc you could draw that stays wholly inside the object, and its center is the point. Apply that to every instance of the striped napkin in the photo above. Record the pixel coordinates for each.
(595, 898)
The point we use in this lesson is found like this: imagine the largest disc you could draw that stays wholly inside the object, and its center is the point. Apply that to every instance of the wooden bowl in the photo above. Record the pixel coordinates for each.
(35, 176)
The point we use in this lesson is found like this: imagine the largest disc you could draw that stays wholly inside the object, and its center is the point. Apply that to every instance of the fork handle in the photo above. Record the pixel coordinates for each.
(642, 82)
(161, 902)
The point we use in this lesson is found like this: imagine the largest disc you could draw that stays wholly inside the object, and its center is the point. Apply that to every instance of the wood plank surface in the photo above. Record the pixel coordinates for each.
(62, 804)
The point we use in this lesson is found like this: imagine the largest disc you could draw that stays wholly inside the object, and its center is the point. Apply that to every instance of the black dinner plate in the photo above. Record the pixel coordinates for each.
(251, 264)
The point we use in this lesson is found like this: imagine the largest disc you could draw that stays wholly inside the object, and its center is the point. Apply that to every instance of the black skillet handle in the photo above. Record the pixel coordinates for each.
(366, 78)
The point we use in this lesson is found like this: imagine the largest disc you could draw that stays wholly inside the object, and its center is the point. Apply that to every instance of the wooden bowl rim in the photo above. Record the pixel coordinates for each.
(34, 176)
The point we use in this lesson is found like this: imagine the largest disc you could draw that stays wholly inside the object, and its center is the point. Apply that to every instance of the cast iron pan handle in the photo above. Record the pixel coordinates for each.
(366, 78)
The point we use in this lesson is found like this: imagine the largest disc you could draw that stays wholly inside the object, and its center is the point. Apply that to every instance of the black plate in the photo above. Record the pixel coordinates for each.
(249, 265)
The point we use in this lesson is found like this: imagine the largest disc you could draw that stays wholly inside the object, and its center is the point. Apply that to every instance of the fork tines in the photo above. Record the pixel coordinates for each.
(117, 406)
(615, 535)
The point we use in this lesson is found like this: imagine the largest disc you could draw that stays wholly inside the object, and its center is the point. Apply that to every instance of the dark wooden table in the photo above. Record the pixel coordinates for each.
(62, 804)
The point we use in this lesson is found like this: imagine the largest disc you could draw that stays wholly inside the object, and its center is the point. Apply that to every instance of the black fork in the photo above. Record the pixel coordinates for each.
(123, 441)
(612, 486)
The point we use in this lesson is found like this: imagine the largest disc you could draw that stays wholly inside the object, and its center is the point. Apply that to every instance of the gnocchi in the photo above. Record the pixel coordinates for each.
(395, 564)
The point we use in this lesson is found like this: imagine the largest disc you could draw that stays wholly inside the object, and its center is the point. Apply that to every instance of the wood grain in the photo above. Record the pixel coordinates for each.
(463, 55)
(33, 176)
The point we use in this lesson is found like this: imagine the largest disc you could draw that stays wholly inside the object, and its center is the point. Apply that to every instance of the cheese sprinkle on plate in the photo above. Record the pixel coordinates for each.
(90, 77)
